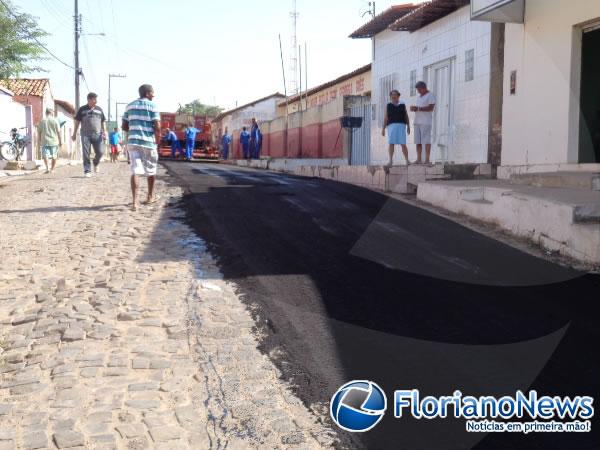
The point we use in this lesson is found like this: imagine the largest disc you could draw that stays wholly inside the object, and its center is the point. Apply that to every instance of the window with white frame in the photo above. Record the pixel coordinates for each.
(413, 83)
(469, 65)
(386, 84)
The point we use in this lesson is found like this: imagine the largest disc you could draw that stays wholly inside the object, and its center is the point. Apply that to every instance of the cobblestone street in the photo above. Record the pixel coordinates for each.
(117, 330)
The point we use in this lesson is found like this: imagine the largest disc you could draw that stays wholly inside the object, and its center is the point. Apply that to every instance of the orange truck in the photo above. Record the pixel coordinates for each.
(203, 149)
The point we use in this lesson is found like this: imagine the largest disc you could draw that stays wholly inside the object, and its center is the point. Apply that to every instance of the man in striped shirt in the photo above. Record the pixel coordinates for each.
(141, 121)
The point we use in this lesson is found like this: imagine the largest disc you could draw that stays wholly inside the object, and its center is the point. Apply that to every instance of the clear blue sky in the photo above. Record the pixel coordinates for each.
(225, 51)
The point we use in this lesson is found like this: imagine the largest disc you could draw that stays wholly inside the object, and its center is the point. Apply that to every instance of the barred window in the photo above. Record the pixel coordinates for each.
(470, 65)
(413, 83)
(386, 84)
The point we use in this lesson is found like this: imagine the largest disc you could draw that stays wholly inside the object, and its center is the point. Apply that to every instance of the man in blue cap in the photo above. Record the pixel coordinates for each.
(171, 138)
(245, 142)
(255, 140)
(225, 144)
(190, 141)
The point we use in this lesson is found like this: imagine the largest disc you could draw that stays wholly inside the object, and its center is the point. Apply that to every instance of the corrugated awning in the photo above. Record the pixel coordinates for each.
(382, 21)
(427, 13)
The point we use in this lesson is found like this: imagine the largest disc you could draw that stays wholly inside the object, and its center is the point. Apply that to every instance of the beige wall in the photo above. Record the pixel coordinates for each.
(541, 121)
(358, 85)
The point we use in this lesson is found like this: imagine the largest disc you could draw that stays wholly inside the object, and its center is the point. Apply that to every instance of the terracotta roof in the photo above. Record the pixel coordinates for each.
(66, 106)
(36, 87)
(231, 111)
(382, 21)
(327, 85)
(427, 13)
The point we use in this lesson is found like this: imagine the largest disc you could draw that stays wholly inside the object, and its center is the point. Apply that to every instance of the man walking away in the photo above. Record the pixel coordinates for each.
(423, 121)
(225, 144)
(141, 121)
(245, 142)
(115, 140)
(190, 141)
(255, 140)
(49, 139)
(93, 132)
(171, 138)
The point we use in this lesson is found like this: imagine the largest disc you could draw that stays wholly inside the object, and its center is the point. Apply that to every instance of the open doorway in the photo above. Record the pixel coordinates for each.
(589, 128)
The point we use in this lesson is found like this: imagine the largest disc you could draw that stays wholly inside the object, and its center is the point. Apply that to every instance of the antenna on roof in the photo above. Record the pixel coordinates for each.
(371, 10)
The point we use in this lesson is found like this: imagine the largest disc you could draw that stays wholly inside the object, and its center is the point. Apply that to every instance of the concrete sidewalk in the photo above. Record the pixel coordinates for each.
(117, 330)
(565, 220)
(399, 179)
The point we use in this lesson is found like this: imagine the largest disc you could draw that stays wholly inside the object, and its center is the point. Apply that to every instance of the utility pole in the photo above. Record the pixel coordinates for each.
(110, 76)
(77, 18)
(117, 111)
(293, 51)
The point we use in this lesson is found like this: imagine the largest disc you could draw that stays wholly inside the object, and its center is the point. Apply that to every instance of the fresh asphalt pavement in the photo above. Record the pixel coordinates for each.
(350, 284)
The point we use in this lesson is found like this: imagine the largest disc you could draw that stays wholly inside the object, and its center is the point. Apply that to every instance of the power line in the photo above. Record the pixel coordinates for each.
(36, 39)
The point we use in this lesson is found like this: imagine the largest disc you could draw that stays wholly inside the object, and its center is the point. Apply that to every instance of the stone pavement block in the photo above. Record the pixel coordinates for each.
(129, 431)
(7, 435)
(165, 434)
(34, 440)
(68, 439)
(143, 404)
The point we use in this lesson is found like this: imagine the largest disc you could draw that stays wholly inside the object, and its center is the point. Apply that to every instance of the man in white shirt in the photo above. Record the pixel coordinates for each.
(423, 121)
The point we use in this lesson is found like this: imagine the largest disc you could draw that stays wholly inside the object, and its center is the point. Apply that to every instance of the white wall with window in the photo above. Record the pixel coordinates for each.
(452, 55)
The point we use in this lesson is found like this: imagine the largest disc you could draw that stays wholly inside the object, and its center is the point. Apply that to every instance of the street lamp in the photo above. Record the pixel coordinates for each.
(111, 76)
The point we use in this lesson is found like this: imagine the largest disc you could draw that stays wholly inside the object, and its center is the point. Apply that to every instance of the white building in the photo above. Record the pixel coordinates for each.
(263, 109)
(438, 43)
(12, 114)
(551, 113)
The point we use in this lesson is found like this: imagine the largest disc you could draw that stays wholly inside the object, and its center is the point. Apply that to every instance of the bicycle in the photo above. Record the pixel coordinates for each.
(14, 149)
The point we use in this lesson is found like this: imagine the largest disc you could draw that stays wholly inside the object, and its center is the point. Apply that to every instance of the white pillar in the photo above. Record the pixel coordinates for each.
(30, 133)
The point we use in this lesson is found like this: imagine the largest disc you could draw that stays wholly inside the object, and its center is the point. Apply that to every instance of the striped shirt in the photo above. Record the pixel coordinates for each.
(141, 115)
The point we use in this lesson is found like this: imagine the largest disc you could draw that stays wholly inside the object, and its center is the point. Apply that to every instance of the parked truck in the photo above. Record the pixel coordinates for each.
(203, 148)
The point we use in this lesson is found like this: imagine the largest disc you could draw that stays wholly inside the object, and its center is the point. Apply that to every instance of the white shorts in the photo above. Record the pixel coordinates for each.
(143, 161)
(422, 134)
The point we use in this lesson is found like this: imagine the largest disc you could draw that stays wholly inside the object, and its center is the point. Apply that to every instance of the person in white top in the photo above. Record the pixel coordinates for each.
(423, 121)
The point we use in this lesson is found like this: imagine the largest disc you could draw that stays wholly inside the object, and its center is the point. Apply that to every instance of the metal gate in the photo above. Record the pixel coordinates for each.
(360, 154)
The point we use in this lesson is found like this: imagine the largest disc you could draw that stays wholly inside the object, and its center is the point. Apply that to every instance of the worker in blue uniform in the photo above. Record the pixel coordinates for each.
(171, 138)
(255, 140)
(225, 144)
(245, 142)
(190, 141)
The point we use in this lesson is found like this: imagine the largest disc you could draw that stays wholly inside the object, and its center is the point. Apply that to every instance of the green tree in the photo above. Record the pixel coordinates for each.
(200, 109)
(19, 42)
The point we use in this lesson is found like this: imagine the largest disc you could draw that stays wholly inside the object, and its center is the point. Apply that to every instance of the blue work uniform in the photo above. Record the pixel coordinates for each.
(171, 138)
(255, 142)
(245, 141)
(225, 143)
(190, 140)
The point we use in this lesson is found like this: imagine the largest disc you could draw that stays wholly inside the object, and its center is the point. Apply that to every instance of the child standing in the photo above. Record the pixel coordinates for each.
(114, 141)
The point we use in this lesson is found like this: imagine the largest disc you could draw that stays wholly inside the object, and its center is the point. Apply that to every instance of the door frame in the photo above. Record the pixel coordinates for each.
(575, 87)
(429, 72)
(577, 69)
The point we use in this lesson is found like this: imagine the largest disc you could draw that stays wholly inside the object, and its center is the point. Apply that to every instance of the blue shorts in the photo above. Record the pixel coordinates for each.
(50, 151)
(396, 134)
